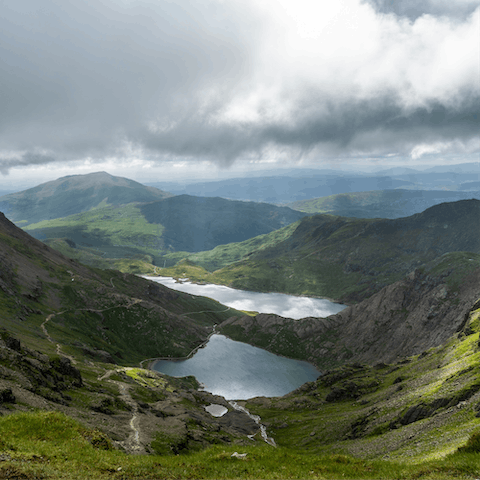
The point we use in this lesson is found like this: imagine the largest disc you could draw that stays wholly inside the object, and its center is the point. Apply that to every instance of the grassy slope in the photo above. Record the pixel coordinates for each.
(376, 411)
(153, 231)
(351, 423)
(100, 309)
(112, 231)
(73, 194)
(61, 450)
(317, 435)
(349, 259)
(379, 203)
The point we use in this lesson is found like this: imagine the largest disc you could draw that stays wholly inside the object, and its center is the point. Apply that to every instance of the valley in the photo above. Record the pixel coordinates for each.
(398, 396)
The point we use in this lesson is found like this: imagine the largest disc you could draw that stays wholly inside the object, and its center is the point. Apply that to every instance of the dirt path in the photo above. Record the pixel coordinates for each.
(49, 338)
(132, 443)
(58, 345)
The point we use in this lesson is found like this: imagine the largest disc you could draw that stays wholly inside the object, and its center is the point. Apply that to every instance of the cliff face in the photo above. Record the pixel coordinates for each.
(405, 318)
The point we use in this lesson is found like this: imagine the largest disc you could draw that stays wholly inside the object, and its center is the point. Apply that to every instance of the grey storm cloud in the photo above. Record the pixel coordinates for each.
(413, 9)
(346, 127)
(161, 80)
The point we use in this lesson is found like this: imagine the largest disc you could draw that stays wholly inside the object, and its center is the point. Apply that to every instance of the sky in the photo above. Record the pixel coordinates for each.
(160, 90)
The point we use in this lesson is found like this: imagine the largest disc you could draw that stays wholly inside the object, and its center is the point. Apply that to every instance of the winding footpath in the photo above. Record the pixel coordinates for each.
(132, 443)
(49, 338)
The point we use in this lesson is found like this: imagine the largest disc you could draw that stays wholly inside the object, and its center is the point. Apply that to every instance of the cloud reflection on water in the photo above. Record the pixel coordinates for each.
(288, 306)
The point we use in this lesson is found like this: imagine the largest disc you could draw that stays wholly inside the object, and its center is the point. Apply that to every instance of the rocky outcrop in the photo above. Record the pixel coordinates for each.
(36, 372)
(405, 318)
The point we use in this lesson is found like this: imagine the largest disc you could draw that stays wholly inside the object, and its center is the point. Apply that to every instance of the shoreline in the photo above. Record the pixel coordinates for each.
(182, 280)
(152, 361)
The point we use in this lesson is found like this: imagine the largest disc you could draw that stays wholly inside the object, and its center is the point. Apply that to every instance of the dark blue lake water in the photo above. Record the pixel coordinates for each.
(238, 371)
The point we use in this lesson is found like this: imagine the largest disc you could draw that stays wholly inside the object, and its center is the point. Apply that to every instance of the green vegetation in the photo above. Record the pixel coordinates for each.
(74, 194)
(376, 411)
(224, 255)
(345, 259)
(156, 232)
(50, 445)
(378, 203)
(70, 332)
(112, 231)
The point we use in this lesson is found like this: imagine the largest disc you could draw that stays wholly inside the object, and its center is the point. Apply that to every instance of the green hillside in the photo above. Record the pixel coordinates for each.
(100, 309)
(149, 232)
(380, 203)
(345, 259)
(74, 406)
(74, 194)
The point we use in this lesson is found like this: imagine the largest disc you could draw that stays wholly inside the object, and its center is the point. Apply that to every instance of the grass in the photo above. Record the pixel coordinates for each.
(122, 225)
(104, 236)
(51, 445)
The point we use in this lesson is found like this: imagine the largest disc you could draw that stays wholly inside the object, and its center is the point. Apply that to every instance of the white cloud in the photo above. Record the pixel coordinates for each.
(220, 81)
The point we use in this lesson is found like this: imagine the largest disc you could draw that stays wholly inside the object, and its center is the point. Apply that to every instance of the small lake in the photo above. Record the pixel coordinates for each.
(288, 306)
(238, 371)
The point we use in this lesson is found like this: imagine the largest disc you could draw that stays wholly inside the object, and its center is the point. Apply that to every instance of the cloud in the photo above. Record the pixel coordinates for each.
(412, 9)
(233, 81)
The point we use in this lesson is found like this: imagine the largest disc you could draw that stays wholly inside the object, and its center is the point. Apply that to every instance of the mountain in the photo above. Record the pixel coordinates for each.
(70, 336)
(73, 405)
(36, 281)
(470, 186)
(73, 194)
(421, 311)
(346, 259)
(283, 189)
(180, 223)
(289, 186)
(383, 203)
(193, 224)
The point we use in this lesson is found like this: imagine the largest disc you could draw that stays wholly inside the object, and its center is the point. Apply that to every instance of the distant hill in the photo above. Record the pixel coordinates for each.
(74, 404)
(286, 189)
(291, 185)
(194, 224)
(381, 203)
(73, 194)
(347, 259)
(470, 186)
(181, 223)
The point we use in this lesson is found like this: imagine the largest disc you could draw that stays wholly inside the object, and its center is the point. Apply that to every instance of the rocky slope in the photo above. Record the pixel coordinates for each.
(69, 335)
(419, 312)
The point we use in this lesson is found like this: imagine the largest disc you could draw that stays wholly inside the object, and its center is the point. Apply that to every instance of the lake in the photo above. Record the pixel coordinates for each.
(236, 370)
(288, 306)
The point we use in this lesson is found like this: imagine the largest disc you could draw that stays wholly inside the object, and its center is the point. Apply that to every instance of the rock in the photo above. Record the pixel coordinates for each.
(99, 355)
(13, 343)
(7, 396)
(239, 421)
(64, 366)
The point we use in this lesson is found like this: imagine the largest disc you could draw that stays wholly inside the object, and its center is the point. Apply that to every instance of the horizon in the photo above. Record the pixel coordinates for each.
(18, 181)
(213, 90)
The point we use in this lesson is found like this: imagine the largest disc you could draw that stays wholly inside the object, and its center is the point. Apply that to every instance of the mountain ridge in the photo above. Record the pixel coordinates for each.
(347, 259)
(73, 194)
(71, 402)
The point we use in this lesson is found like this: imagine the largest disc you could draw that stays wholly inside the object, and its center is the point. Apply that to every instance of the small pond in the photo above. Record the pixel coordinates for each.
(238, 371)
